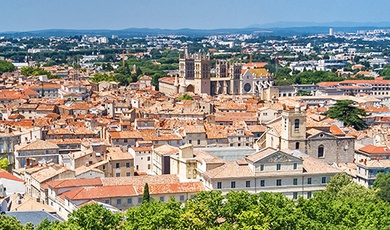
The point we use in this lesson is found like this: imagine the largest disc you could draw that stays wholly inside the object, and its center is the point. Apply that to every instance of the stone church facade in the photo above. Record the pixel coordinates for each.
(230, 78)
(290, 132)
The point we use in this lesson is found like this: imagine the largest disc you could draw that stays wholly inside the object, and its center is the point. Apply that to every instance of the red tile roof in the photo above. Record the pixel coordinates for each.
(371, 149)
(6, 175)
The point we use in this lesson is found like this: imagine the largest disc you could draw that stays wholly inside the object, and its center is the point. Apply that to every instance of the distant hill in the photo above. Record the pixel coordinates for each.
(278, 28)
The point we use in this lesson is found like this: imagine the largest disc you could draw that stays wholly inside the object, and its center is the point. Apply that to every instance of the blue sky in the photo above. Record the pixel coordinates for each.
(27, 15)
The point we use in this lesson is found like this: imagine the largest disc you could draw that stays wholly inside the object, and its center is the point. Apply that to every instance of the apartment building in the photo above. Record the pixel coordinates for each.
(271, 170)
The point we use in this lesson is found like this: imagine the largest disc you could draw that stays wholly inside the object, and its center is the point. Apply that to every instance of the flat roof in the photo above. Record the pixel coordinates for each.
(230, 153)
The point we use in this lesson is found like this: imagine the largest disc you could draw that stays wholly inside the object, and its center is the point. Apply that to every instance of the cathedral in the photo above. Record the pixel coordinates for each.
(230, 78)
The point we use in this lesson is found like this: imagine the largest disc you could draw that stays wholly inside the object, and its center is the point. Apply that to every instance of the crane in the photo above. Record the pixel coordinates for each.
(124, 53)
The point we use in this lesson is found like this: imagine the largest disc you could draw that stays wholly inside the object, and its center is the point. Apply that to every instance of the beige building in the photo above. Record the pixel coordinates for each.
(271, 170)
(184, 163)
(161, 159)
(41, 151)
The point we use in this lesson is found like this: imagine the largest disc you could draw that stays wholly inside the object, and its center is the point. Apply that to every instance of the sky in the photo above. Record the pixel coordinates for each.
(29, 15)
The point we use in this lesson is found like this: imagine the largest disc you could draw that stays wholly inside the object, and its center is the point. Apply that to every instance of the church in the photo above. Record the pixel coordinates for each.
(230, 78)
(292, 131)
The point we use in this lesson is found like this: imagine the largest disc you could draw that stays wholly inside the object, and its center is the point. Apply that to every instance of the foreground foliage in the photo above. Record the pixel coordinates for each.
(343, 205)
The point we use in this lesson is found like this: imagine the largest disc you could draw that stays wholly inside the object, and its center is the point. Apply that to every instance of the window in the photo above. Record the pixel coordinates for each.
(107, 201)
(118, 201)
(128, 174)
(295, 165)
(127, 164)
(161, 198)
(295, 181)
(279, 182)
(129, 201)
(323, 180)
(118, 165)
(321, 151)
(181, 197)
(248, 184)
(296, 125)
(278, 166)
(190, 141)
(308, 180)
(148, 158)
(219, 185)
(262, 183)
(308, 194)
(118, 174)
(139, 200)
(261, 167)
(233, 184)
(296, 145)
(295, 195)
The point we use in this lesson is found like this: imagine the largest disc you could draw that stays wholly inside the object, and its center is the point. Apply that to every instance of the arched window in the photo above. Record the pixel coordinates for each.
(321, 151)
(296, 125)
(296, 145)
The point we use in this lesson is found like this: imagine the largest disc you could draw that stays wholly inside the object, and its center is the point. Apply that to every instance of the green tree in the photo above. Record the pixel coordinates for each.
(146, 194)
(95, 216)
(185, 97)
(31, 71)
(4, 163)
(203, 211)
(346, 112)
(10, 223)
(337, 183)
(382, 185)
(6, 66)
(154, 215)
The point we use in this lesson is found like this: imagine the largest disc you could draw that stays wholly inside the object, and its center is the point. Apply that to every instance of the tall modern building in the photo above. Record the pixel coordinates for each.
(331, 33)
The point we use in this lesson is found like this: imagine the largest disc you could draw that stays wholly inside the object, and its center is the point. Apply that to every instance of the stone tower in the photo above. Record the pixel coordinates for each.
(293, 133)
(235, 73)
(202, 73)
(186, 66)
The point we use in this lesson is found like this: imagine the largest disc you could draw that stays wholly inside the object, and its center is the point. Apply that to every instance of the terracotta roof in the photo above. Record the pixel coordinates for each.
(261, 154)
(69, 183)
(167, 149)
(126, 134)
(141, 180)
(183, 187)
(229, 170)
(371, 149)
(142, 149)
(335, 130)
(38, 145)
(255, 65)
(6, 175)
(115, 153)
(100, 192)
(328, 84)
(315, 166)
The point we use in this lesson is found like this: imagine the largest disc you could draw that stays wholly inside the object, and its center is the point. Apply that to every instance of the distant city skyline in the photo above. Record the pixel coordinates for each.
(27, 15)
